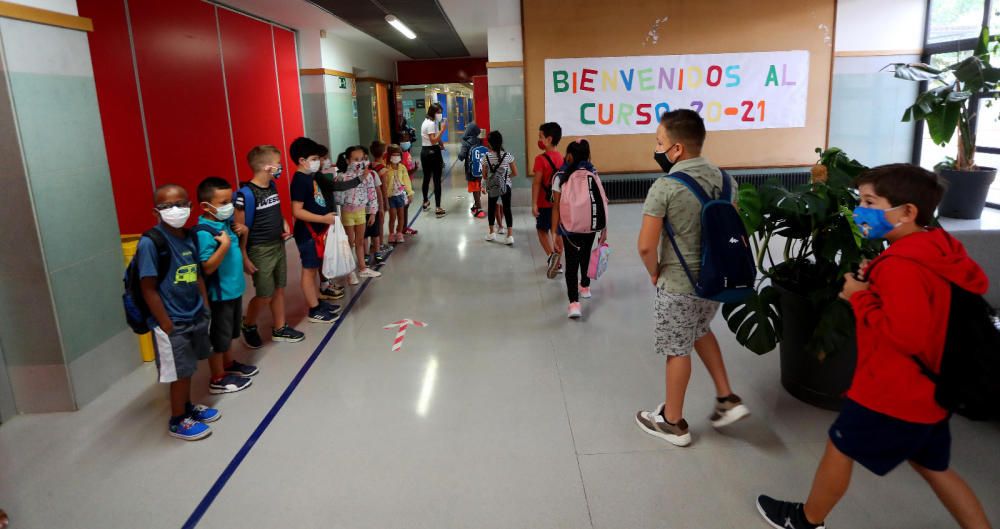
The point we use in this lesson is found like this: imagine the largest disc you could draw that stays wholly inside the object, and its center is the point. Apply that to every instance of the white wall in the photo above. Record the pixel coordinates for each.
(351, 57)
(60, 6)
(870, 25)
(503, 35)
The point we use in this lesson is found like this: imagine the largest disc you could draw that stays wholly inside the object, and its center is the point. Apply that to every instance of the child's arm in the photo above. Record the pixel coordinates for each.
(300, 213)
(151, 296)
(240, 218)
(513, 168)
(896, 306)
(405, 175)
(211, 264)
(204, 292)
(536, 187)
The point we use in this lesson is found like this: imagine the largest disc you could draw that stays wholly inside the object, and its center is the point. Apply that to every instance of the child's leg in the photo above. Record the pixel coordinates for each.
(545, 239)
(253, 309)
(711, 355)
(509, 212)
(477, 197)
(957, 497)
(310, 288)
(676, 377)
(570, 245)
(180, 395)
(278, 308)
(359, 246)
(491, 205)
(499, 209)
(831, 481)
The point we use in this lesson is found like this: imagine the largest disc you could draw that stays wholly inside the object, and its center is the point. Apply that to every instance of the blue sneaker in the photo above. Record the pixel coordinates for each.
(319, 314)
(229, 384)
(202, 413)
(189, 430)
(242, 370)
(330, 307)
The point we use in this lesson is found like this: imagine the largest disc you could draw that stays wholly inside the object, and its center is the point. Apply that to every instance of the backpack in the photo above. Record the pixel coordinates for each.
(137, 313)
(474, 163)
(547, 189)
(249, 203)
(501, 156)
(728, 271)
(213, 282)
(583, 205)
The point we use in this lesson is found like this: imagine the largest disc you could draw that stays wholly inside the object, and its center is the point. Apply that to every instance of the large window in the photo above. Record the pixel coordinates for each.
(952, 30)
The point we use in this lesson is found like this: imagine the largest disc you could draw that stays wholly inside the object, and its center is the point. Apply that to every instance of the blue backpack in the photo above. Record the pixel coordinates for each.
(249, 202)
(728, 271)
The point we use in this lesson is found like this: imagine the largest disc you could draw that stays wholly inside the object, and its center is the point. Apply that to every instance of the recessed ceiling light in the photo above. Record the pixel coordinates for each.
(396, 23)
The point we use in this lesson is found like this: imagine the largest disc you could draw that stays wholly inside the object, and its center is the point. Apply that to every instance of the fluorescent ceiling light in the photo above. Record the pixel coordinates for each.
(395, 22)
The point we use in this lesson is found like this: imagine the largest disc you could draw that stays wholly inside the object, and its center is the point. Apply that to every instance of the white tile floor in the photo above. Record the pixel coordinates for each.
(500, 414)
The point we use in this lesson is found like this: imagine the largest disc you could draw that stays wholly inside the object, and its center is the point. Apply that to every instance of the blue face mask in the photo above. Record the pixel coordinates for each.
(872, 222)
(405, 145)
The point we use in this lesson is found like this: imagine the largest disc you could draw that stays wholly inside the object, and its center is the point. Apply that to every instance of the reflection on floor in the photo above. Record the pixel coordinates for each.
(500, 414)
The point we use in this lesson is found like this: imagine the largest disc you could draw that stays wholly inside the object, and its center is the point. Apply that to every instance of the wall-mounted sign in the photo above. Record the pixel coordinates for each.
(343, 83)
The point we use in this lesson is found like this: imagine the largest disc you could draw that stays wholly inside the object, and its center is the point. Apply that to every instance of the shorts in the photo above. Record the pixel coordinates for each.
(178, 353)
(544, 220)
(227, 317)
(397, 202)
(309, 255)
(681, 319)
(375, 229)
(353, 217)
(475, 186)
(272, 267)
(880, 443)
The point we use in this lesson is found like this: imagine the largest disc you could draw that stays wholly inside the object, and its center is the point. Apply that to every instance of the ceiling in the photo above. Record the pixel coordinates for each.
(437, 30)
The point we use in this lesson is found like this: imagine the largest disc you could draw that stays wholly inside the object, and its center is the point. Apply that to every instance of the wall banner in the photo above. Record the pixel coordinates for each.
(627, 95)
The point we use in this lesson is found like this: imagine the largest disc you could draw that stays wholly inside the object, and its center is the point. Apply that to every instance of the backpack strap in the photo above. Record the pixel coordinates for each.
(703, 198)
(249, 205)
(212, 281)
(162, 252)
(673, 242)
(694, 186)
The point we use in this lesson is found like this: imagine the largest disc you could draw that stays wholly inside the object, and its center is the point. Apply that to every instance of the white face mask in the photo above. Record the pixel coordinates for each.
(314, 166)
(175, 217)
(358, 166)
(225, 211)
(395, 159)
(327, 164)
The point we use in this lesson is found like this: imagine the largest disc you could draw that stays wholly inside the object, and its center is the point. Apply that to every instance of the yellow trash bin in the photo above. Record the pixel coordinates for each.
(129, 244)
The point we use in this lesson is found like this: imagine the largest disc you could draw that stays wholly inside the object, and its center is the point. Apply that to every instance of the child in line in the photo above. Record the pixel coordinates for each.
(313, 217)
(576, 244)
(377, 252)
(258, 207)
(682, 318)
(411, 167)
(546, 165)
(329, 290)
(222, 266)
(471, 153)
(499, 167)
(901, 310)
(357, 204)
(400, 192)
(174, 291)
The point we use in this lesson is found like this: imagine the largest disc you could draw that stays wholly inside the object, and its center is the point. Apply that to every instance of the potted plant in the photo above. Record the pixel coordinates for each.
(945, 108)
(805, 240)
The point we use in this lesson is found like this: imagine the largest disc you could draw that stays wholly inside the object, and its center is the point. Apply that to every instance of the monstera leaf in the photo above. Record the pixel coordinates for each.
(756, 321)
(751, 207)
(835, 331)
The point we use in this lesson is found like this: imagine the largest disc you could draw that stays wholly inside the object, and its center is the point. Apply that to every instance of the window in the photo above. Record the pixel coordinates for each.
(953, 28)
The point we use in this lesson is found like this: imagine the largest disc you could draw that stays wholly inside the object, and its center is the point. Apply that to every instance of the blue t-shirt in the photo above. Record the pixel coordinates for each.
(231, 283)
(305, 190)
(179, 288)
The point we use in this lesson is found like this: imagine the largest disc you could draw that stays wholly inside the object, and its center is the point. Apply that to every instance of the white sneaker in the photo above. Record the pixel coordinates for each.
(368, 272)
(353, 279)
(574, 312)
(501, 230)
(509, 241)
(491, 237)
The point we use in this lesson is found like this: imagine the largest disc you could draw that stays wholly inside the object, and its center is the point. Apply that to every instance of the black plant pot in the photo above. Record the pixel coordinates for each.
(965, 195)
(821, 383)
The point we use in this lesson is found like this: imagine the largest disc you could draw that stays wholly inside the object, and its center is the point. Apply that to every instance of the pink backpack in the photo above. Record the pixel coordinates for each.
(583, 205)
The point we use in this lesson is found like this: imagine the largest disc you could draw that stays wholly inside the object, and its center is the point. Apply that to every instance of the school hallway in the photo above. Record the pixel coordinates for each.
(501, 413)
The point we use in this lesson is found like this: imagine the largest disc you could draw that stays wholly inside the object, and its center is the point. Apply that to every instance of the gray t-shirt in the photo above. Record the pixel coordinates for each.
(670, 198)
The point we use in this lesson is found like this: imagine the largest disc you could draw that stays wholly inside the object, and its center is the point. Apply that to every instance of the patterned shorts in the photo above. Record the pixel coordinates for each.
(680, 320)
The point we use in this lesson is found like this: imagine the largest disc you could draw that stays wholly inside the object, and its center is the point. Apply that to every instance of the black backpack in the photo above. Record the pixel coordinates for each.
(213, 282)
(137, 313)
(547, 189)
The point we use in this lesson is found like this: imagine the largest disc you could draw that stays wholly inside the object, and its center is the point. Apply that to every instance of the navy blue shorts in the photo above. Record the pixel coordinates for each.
(544, 220)
(881, 443)
(307, 251)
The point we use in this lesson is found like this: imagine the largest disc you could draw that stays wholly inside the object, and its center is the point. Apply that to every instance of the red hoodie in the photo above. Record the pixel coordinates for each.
(905, 313)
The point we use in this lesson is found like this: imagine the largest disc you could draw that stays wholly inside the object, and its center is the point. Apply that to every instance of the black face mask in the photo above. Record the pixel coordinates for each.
(665, 163)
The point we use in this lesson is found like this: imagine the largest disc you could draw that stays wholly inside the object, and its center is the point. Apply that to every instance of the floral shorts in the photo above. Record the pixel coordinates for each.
(681, 319)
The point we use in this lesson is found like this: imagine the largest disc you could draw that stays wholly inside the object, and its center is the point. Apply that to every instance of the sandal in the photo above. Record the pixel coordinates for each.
(440, 212)
(427, 205)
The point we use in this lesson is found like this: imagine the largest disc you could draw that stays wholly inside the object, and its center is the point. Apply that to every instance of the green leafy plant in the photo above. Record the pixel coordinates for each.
(945, 104)
(805, 241)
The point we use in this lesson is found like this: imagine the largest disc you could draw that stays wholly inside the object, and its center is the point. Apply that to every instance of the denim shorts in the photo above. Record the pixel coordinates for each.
(310, 257)
(397, 202)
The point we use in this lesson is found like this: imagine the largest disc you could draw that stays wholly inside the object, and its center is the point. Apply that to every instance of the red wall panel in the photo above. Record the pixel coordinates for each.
(180, 72)
(481, 97)
(252, 84)
(288, 87)
(118, 99)
(439, 71)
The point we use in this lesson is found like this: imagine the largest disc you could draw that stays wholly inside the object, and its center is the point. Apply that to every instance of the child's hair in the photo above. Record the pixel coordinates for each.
(685, 126)
(551, 130)
(342, 162)
(394, 149)
(404, 134)
(495, 139)
(350, 150)
(903, 183)
(167, 187)
(208, 187)
(580, 151)
(378, 149)
(323, 150)
(256, 156)
(303, 148)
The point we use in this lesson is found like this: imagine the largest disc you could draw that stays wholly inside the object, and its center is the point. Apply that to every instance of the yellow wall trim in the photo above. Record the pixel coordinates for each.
(44, 16)
(508, 64)
(325, 71)
(374, 80)
(876, 53)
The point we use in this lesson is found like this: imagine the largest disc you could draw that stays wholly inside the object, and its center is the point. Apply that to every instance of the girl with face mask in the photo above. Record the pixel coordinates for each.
(400, 193)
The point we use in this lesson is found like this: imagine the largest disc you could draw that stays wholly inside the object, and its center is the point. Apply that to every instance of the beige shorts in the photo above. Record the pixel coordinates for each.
(354, 218)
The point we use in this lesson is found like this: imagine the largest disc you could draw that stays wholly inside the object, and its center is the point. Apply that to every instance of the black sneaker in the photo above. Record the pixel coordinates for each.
(319, 314)
(330, 307)
(287, 334)
(784, 514)
(251, 338)
(229, 384)
(242, 370)
(331, 294)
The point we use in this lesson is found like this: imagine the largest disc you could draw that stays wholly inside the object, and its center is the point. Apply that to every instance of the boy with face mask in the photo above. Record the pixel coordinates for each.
(222, 264)
(174, 291)
(901, 309)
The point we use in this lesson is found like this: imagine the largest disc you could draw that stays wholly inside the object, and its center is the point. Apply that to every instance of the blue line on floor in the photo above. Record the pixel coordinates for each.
(230, 469)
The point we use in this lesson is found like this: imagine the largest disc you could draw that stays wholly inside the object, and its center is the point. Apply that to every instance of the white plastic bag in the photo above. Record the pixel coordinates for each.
(338, 259)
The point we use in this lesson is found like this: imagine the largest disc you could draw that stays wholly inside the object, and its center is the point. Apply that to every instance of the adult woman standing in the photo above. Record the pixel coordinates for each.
(430, 155)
